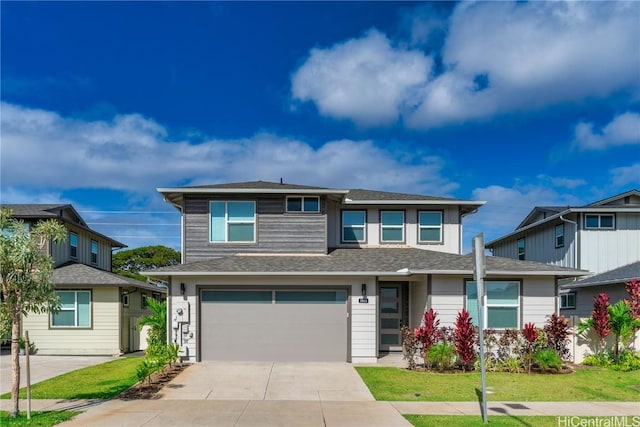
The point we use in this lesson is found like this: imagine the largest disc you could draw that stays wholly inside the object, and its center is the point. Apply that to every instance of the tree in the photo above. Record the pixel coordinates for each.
(25, 269)
(157, 322)
(465, 339)
(622, 324)
(132, 261)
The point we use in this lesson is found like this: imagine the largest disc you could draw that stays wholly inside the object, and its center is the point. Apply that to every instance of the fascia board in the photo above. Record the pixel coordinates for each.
(274, 273)
(250, 191)
(413, 202)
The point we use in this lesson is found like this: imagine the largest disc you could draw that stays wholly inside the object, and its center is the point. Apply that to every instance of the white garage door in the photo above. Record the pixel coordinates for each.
(274, 325)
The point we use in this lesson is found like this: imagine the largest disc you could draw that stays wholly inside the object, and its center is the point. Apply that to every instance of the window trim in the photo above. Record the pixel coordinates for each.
(73, 249)
(392, 227)
(521, 253)
(431, 227)
(560, 236)
(363, 226)
(302, 209)
(487, 305)
(564, 297)
(227, 222)
(599, 226)
(75, 310)
(94, 255)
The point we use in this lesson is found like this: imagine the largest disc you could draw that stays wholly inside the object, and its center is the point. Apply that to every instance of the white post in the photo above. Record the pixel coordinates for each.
(479, 272)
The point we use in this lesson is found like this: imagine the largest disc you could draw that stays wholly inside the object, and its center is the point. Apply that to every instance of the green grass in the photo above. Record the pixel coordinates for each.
(38, 418)
(471, 421)
(590, 384)
(102, 381)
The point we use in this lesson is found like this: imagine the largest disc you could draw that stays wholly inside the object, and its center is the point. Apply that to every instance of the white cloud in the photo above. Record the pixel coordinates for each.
(626, 176)
(43, 150)
(622, 130)
(498, 57)
(366, 80)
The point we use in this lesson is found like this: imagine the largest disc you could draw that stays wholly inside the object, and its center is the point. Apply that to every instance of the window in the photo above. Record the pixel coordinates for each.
(559, 235)
(73, 245)
(430, 226)
(521, 249)
(502, 308)
(75, 311)
(303, 204)
(125, 300)
(94, 252)
(392, 226)
(233, 221)
(353, 226)
(568, 300)
(599, 221)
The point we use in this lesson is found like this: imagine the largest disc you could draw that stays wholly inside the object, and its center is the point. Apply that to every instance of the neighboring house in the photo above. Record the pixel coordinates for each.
(99, 308)
(288, 272)
(601, 237)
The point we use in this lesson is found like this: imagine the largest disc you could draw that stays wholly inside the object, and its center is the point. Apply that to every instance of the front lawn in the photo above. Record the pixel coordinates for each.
(476, 420)
(102, 381)
(586, 384)
(38, 418)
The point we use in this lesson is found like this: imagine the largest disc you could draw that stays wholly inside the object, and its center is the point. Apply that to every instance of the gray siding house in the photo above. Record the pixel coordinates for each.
(602, 238)
(99, 308)
(275, 271)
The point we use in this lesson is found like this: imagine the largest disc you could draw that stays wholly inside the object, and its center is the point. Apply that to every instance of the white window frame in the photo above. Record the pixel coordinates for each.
(74, 310)
(363, 227)
(564, 300)
(391, 227)
(94, 254)
(559, 244)
(431, 227)
(599, 226)
(73, 234)
(302, 200)
(488, 305)
(521, 254)
(227, 222)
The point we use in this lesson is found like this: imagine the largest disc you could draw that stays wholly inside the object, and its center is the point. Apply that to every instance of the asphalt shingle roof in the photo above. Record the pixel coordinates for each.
(359, 194)
(365, 261)
(33, 210)
(618, 275)
(258, 185)
(85, 275)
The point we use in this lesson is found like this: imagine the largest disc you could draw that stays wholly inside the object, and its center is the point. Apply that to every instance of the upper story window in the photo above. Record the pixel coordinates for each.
(430, 226)
(303, 204)
(502, 308)
(353, 226)
(568, 300)
(391, 226)
(559, 235)
(75, 310)
(73, 245)
(94, 252)
(521, 249)
(605, 221)
(233, 221)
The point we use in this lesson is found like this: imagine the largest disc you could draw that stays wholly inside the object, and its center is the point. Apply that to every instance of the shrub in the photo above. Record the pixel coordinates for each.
(558, 331)
(530, 334)
(509, 344)
(627, 361)
(547, 358)
(410, 345)
(511, 364)
(427, 333)
(602, 360)
(465, 339)
(441, 355)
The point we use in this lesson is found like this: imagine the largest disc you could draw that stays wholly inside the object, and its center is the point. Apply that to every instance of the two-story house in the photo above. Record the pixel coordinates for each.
(601, 237)
(274, 271)
(99, 309)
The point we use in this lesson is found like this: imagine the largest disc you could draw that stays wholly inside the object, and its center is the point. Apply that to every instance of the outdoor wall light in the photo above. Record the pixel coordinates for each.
(182, 288)
(364, 290)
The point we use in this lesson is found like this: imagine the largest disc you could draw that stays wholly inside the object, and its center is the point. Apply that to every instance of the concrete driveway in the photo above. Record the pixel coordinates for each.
(252, 394)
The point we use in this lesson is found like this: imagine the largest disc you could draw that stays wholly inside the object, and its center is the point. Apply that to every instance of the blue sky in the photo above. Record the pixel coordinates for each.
(514, 103)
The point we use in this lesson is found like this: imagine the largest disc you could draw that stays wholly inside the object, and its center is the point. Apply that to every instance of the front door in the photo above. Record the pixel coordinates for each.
(391, 309)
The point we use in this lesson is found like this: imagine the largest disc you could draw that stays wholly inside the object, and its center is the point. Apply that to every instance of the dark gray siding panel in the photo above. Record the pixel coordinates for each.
(277, 231)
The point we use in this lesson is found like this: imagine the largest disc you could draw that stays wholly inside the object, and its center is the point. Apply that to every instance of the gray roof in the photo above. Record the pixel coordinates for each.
(617, 275)
(258, 185)
(74, 274)
(38, 211)
(359, 194)
(370, 261)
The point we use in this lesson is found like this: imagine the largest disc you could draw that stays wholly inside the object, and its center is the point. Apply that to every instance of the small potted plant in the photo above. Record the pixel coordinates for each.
(22, 345)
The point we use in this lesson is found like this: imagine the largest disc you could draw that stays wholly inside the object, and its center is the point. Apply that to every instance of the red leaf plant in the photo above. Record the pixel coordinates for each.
(427, 333)
(558, 331)
(633, 289)
(600, 317)
(530, 333)
(465, 339)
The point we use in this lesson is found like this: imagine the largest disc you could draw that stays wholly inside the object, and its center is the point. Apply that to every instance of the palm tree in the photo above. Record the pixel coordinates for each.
(157, 322)
(622, 324)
